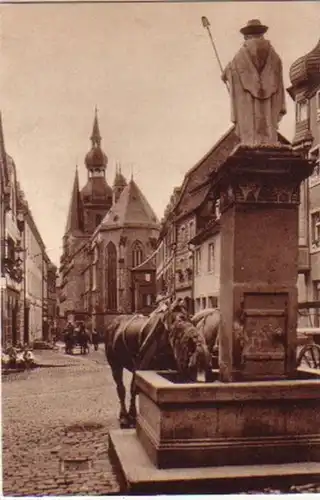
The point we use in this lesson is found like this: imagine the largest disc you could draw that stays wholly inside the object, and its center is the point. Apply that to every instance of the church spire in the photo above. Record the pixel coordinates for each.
(74, 221)
(95, 137)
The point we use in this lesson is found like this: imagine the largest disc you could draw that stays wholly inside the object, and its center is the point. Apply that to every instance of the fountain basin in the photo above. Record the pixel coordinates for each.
(218, 424)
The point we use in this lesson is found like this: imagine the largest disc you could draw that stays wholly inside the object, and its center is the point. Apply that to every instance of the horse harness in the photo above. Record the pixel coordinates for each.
(137, 360)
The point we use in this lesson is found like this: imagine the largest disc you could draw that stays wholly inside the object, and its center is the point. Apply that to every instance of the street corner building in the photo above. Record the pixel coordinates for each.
(108, 263)
(305, 92)
(28, 277)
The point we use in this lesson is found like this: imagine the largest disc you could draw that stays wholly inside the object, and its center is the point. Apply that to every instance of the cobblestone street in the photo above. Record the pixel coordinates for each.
(55, 426)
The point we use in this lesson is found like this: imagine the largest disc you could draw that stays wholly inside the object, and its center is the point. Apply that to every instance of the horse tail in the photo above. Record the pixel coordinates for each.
(110, 334)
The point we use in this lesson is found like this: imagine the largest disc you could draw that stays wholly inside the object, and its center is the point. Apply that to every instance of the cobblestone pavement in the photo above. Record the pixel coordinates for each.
(55, 422)
(55, 425)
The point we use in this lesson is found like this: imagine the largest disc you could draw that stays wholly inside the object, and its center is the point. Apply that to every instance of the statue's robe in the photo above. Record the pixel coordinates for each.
(257, 92)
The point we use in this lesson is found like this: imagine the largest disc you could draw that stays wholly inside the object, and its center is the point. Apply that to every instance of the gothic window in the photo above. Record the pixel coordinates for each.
(111, 276)
(137, 253)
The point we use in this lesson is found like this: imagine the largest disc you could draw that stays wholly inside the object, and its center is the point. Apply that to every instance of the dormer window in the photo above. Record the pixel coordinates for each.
(302, 111)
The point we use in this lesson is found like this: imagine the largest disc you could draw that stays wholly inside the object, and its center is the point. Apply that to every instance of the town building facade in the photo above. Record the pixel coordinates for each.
(305, 91)
(23, 254)
(11, 270)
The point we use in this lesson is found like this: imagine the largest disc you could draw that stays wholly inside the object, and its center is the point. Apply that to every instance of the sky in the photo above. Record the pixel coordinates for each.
(150, 70)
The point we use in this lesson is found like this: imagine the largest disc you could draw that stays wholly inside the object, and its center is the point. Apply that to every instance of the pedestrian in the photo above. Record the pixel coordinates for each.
(95, 339)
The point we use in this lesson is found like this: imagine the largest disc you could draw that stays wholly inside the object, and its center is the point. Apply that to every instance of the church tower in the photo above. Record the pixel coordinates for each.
(74, 225)
(96, 196)
(119, 184)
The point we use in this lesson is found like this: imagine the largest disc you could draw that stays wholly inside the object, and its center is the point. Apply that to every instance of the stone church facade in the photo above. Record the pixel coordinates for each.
(109, 232)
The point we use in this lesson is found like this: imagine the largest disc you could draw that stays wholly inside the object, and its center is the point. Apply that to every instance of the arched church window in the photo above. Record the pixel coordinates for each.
(111, 276)
(137, 253)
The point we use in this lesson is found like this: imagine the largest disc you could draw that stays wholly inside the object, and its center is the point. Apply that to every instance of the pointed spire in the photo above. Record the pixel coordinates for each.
(96, 137)
(74, 221)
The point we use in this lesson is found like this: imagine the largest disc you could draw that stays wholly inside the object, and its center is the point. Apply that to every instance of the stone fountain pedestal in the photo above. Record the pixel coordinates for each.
(208, 437)
(259, 418)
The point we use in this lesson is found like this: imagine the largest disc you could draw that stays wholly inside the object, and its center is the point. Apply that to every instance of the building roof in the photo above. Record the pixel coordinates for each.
(196, 183)
(97, 190)
(306, 68)
(119, 179)
(96, 158)
(74, 220)
(210, 229)
(195, 186)
(131, 209)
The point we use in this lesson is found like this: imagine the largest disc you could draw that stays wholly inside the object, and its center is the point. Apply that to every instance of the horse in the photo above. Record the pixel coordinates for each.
(190, 348)
(137, 342)
(82, 338)
(208, 321)
(132, 342)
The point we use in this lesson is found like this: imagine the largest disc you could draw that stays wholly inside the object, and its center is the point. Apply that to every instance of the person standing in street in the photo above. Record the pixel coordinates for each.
(95, 339)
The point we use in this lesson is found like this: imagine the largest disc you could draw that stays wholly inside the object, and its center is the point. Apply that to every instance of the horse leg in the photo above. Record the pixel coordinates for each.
(117, 374)
(133, 408)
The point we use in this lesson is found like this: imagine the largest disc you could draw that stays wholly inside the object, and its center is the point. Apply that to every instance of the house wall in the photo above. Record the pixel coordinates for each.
(207, 282)
(185, 230)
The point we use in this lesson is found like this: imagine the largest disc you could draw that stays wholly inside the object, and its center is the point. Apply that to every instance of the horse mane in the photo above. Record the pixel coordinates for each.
(203, 314)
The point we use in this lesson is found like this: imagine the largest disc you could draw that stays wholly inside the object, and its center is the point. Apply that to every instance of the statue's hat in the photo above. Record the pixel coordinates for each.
(254, 27)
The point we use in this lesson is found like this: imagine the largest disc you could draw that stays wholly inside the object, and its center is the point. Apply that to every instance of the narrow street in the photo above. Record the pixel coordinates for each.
(55, 423)
(55, 426)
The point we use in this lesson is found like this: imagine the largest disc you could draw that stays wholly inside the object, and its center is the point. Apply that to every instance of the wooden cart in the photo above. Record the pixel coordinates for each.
(309, 334)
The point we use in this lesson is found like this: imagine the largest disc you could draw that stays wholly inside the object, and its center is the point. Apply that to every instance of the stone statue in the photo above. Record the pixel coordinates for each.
(256, 88)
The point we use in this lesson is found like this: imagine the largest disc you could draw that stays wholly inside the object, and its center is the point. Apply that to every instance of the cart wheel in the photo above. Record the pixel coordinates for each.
(310, 356)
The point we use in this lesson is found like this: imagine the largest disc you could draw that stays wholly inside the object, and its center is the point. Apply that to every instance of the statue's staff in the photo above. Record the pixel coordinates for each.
(206, 24)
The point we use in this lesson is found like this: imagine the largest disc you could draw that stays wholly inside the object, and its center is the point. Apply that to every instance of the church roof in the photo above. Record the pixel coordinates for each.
(96, 158)
(119, 179)
(74, 220)
(131, 210)
(97, 190)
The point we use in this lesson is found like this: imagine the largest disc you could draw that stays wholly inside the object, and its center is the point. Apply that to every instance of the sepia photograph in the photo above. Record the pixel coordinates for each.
(160, 247)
